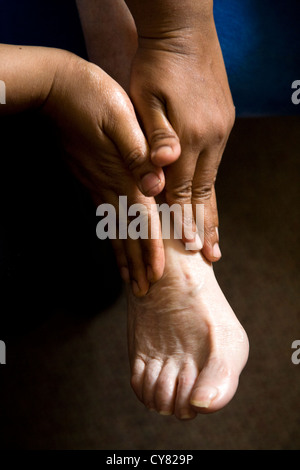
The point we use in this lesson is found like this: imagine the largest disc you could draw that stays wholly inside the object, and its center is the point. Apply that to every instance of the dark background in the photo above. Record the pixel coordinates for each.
(63, 313)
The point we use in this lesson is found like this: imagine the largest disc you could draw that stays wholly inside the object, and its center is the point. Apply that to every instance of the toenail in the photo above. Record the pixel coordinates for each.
(187, 416)
(201, 404)
(165, 413)
(209, 395)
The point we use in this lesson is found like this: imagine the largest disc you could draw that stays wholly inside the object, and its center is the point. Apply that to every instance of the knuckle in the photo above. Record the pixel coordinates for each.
(221, 129)
(160, 135)
(203, 192)
(203, 188)
(134, 159)
(232, 115)
(223, 124)
(194, 138)
(182, 191)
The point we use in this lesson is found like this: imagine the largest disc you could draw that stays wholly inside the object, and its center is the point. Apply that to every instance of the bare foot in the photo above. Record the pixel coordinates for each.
(186, 346)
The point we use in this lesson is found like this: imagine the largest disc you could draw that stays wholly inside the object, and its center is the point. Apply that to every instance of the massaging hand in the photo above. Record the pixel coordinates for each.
(109, 154)
(180, 90)
(104, 144)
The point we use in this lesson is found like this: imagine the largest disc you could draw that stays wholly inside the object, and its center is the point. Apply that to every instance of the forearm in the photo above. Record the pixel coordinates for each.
(110, 36)
(154, 18)
(28, 74)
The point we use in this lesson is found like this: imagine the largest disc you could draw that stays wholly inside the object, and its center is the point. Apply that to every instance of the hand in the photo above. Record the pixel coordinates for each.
(108, 152)
(180, 90)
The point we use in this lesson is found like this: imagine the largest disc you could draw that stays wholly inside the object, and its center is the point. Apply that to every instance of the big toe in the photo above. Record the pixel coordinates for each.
(215, 386)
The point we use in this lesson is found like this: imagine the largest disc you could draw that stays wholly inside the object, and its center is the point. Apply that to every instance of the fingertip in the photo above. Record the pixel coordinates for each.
(124, 271)
(152, 184)
(195, 244)
(140, 288)
(216, 252)
(211, 247)
(165, 154)
(212, 252)
(154, 274)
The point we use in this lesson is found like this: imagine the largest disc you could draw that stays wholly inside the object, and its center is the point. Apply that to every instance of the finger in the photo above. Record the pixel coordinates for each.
(162, 138)
(146, 219)
(133, 147)
(137, 238)
(136, 267)
(154, 257)
(117, 244)
(178, 193)
(211, 249)
(204, 194)
(114, 225)
(121, 259)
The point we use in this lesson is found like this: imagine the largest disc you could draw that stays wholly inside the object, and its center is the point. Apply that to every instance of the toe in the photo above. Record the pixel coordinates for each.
(137, 376)
(214, 387)
(166, 386)
(186, 381)
(152, 372)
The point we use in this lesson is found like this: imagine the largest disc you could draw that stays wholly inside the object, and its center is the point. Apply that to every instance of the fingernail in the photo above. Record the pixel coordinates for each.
(189, 233)
(198, 242)
(125, 274)
(196, 245)
(149, 182)
(216, 251)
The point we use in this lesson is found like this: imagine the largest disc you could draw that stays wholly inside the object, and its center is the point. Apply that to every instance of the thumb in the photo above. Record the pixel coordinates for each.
(128, 137)
(162, 138)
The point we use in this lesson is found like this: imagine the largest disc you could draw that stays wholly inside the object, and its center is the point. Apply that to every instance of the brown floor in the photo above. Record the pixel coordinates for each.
(66, 386)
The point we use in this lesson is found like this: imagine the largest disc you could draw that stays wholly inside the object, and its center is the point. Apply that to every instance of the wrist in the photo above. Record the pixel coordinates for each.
(158, 19)
(55, 98)
(28, 73)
